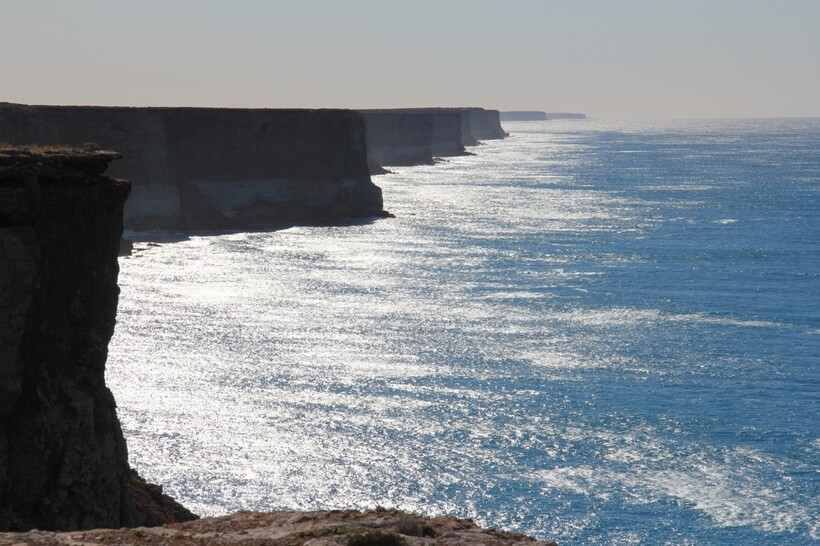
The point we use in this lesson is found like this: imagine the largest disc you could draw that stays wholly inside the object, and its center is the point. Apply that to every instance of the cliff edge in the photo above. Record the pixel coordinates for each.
(63, 458)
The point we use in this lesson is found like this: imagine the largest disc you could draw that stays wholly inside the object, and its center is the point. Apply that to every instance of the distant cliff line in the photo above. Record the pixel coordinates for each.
(234, 168)
(536, 115)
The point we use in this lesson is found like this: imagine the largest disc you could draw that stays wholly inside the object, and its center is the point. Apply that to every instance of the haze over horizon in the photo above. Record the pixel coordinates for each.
(627, 59)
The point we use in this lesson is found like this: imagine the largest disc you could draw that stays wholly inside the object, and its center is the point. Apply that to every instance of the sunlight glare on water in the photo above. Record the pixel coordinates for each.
(594, 332)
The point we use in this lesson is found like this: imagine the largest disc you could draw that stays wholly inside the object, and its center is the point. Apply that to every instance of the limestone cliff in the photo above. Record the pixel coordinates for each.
(217, 168)
(475, 124)
(398, 138)
(485, 124)
(63, 459)
(413, 136)
(447, 134)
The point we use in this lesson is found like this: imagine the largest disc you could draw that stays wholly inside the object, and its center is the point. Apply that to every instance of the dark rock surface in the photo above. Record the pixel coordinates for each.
(63, 458)
(214, 168)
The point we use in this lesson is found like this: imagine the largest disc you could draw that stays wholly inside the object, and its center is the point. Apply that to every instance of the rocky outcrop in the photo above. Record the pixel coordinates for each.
(63, 458)
(215, 168)
(379, 527)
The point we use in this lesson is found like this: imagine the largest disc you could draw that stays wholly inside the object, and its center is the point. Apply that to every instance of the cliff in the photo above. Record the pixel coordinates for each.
(413, 136)
(398, 138)
(215, 168)
(448, 132)
(63, 458)
(485, 124)
(377, 527)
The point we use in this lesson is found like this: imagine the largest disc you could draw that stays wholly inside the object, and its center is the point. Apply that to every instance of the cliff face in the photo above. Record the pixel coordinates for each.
(447, 130)
(486, 124)
(412, 136)
(216, 167)
(475, 124)
(398, 138)
(63, 458)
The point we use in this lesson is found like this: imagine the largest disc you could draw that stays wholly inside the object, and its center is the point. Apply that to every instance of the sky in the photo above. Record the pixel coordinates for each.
(605, 58)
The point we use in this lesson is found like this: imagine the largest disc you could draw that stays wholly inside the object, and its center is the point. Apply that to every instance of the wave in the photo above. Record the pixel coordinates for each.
(724, 486)
(620, 316)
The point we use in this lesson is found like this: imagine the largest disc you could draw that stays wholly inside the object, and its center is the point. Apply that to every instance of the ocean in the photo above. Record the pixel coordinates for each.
(595, 332)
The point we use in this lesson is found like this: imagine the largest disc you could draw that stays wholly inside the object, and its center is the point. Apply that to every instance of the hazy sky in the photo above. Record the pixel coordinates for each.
(608, 58)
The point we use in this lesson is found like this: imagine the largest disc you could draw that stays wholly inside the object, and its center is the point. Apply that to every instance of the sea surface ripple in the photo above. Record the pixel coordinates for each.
(596, 332)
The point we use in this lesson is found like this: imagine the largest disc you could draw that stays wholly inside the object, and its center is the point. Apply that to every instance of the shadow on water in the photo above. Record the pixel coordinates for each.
(134, 242)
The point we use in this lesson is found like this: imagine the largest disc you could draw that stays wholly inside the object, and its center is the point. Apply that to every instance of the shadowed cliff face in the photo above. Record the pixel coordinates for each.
(414, 136)
(63, 458)
(396, 138)
(486, 124)
(447, 139)
(218, 167)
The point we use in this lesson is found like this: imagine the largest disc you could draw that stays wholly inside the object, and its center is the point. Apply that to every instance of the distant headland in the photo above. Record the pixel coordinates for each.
(535, 115)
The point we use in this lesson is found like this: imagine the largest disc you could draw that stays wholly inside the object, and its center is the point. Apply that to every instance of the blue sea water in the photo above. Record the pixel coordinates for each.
(596, 332)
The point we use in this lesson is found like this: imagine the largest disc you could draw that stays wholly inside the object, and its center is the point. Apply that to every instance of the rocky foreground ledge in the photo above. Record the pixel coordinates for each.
(378, 527)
